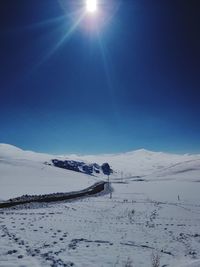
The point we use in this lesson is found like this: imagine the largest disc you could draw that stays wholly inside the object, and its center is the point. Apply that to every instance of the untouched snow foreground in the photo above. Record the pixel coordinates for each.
(153, 211)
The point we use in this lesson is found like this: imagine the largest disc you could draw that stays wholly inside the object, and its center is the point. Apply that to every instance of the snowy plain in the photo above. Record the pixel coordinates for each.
(154, 209)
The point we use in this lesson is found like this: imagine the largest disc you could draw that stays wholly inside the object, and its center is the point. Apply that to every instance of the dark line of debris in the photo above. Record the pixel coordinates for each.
(92, 190)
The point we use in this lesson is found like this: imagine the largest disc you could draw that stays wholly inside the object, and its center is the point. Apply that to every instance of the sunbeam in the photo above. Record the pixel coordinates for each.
(60, 42)
(67, 35)
(109, 77)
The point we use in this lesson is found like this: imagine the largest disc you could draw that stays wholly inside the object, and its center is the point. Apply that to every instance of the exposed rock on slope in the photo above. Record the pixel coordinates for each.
(80, 166)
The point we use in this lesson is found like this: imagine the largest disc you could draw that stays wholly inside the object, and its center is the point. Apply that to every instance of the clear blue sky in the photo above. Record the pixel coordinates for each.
(133, 82)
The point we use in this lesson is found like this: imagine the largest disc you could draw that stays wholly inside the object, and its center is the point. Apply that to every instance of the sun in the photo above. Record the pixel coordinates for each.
(91, 6)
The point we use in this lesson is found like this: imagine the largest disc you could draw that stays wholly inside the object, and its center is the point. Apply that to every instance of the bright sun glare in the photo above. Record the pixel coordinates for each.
(91, 6)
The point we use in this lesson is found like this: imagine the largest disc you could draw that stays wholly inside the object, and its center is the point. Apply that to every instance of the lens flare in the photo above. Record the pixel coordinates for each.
(91, 6)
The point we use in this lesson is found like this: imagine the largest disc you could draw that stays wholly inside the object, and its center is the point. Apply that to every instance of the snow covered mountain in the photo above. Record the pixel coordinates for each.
(24, 172)
(144, 163)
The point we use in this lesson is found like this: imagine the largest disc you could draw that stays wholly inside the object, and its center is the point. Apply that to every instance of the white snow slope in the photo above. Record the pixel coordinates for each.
(154, 209)
(24, 172)
(145, 163)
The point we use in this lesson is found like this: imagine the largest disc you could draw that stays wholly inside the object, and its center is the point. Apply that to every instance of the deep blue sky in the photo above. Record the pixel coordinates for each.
(134, 84)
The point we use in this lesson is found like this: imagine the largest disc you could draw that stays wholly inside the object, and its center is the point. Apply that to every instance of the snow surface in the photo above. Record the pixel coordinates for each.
(154, 208)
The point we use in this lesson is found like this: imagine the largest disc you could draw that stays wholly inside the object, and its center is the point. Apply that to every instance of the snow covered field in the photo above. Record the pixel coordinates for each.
(153, 210)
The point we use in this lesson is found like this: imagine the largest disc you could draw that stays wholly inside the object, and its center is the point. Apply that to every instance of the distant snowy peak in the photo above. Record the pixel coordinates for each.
(146, 152)
(13, 152)
(7, 150)
(8, 147)
(133, 153)
(141, 151)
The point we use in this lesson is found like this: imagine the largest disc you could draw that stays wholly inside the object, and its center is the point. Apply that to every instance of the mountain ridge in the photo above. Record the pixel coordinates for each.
(14, 148)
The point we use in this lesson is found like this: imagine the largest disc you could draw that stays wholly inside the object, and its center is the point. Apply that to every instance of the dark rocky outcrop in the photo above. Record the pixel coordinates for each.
(80, 166)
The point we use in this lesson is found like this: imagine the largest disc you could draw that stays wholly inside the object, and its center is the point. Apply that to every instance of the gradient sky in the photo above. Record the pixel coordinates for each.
(131, 83)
